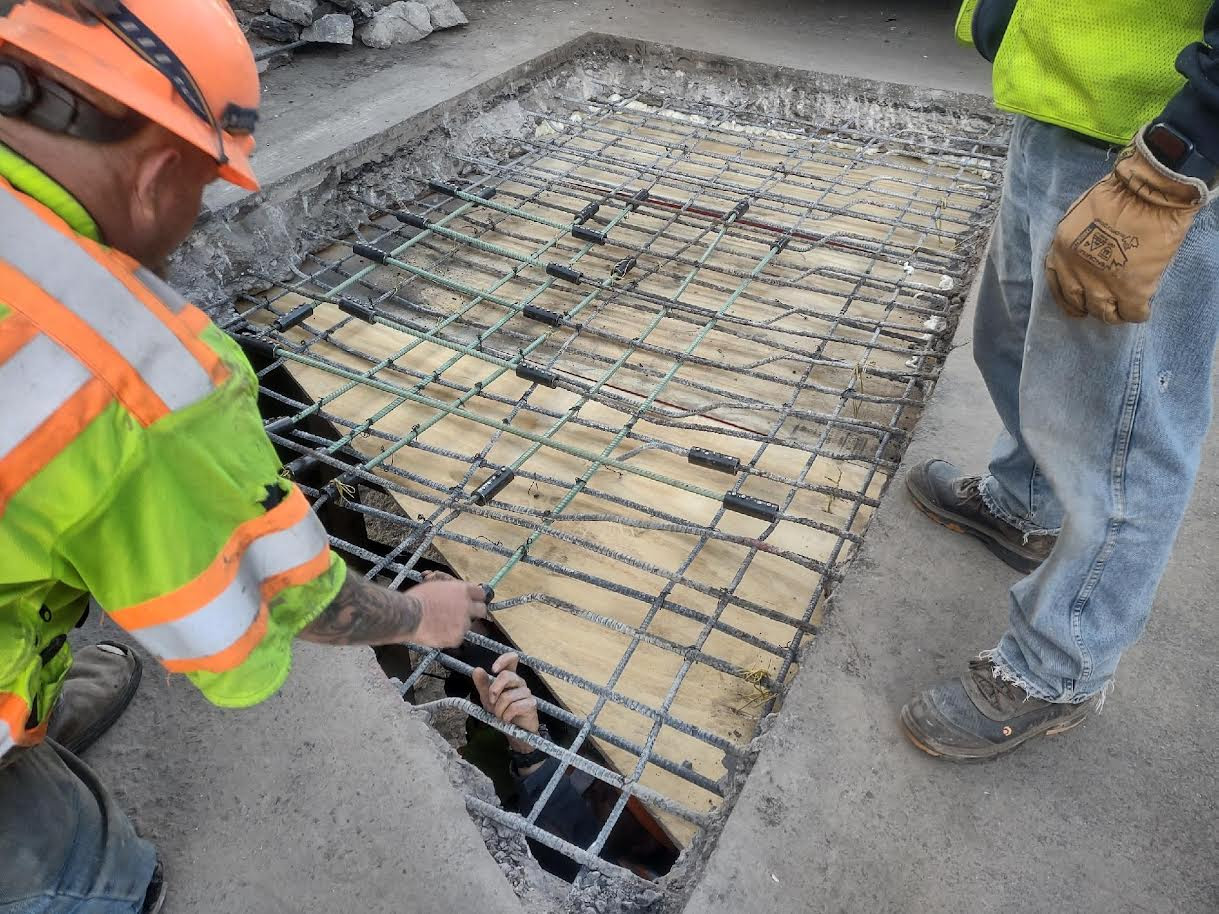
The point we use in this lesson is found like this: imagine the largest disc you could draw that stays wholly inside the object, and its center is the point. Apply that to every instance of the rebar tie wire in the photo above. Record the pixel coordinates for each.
(463, 225)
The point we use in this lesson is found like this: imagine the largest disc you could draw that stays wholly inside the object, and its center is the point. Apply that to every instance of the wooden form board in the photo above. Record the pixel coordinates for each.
(811, 359)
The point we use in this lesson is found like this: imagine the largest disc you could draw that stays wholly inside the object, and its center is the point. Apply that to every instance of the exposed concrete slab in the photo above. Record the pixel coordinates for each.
(842, 814)
(330, 99)
(330, 796)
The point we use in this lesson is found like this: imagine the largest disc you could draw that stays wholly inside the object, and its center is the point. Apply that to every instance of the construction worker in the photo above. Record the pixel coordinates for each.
(133, 463)
(1096, 324)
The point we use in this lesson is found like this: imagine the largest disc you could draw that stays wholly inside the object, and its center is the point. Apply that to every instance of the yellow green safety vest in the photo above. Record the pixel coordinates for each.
(1102, 68)
(134, 469)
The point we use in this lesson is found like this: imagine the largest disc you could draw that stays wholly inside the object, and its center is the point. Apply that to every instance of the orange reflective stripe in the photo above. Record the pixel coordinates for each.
(15, 331)
(236, 654)
(203, 353)
(212, 581)
(232, 656)
(217, 619)
(225, 615)
(98, 287)
(71, 332)
(21, 464)
(14, 712)
(194, 320)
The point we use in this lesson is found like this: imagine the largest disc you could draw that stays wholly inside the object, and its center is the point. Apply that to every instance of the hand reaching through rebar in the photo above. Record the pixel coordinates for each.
(507, 696)
(448, 607)
(436, 613)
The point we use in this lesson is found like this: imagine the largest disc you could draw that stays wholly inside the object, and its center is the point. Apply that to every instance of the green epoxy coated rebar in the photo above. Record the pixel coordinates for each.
(857, 305)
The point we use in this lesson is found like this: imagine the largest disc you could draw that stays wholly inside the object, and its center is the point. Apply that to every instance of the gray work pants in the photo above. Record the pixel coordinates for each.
(64, 844)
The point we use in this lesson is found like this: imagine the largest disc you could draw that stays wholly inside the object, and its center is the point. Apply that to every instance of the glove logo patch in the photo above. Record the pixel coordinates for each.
(1104, 246)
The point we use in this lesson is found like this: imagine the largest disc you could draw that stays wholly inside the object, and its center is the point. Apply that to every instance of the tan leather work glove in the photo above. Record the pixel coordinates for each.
(1116, 241)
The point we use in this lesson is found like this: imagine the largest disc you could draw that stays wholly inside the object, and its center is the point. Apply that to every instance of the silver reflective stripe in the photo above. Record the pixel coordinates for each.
(35, 381)
(6, 738)
(219, 623)
(68, 274)
(162, 290)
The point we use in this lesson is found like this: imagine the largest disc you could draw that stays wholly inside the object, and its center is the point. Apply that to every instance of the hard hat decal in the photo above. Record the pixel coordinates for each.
(144, 41)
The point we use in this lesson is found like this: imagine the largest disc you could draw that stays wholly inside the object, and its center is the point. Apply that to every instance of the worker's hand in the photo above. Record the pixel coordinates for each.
(507, 696)
(1116, 241)
(436, 613)
(84, 10)
(447, 607)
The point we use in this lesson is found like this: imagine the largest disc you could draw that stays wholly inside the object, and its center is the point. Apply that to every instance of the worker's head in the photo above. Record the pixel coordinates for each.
(134, 115)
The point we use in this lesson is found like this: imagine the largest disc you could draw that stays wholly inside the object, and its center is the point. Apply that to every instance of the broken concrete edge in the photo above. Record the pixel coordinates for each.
(237, 244)
(240, 234)
(304, 802)
(536, 889)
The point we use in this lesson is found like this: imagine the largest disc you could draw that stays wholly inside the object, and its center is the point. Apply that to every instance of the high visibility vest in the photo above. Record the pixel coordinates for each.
(134, 469)
(1103, 69)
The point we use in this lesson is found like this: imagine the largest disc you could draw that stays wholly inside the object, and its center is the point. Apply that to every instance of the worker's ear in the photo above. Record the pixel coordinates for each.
(153, 193)
(169, 178)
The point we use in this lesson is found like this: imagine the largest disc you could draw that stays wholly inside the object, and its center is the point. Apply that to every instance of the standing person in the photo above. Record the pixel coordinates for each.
(1096, 325)
(133, 463)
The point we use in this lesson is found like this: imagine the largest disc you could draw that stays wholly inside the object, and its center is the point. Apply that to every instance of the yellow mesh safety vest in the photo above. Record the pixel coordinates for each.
(1102, 68)
(134, 468)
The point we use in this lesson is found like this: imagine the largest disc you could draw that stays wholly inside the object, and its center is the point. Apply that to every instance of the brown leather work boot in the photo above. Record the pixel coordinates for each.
(980, 716)
(955, 501)
(98, 688)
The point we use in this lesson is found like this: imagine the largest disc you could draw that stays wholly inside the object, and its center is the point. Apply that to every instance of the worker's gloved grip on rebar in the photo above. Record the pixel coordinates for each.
(1115, 242)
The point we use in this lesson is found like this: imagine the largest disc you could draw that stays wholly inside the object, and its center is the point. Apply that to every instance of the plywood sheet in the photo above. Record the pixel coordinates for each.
(806, 369)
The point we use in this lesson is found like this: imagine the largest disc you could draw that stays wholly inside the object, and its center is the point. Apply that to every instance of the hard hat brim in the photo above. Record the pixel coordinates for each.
(239, 171)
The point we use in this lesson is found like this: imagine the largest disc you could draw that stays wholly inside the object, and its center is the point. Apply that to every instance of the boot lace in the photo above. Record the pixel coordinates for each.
(992, 685)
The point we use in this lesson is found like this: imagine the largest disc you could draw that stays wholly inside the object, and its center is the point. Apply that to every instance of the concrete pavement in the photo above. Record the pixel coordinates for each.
(841, 813)
(330, 796)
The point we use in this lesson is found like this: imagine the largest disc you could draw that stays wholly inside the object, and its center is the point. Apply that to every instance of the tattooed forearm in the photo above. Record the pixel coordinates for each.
(363, 613)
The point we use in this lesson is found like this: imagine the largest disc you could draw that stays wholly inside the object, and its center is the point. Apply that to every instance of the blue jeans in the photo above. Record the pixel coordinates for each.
(64, 844)
(1103, 425)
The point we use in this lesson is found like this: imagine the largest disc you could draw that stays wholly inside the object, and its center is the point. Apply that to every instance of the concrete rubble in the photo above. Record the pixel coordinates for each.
(300, 12)
(445, 14)
(273, 28)
(334, 28)
(399, 23)
(378, 23)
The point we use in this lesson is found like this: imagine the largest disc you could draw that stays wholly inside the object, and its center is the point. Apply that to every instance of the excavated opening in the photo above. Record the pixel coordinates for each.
(638, 339)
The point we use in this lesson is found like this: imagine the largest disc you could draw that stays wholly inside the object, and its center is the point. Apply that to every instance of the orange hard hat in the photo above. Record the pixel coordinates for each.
(183, 64)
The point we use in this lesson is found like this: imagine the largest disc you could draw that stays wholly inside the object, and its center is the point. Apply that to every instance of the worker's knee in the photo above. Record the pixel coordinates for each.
(67, 847)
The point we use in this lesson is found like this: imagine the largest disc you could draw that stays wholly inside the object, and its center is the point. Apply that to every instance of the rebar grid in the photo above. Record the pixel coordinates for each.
(648, 379)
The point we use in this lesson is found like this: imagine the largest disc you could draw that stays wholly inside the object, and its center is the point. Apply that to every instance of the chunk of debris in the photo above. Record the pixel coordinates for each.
(333, 28)
(299, 11)
(274, 29)
(445, 14)
(361, 11)
(251, 6)
(399, 23)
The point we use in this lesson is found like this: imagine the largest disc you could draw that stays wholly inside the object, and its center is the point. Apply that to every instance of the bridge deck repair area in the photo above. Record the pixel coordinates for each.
(648, 377)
